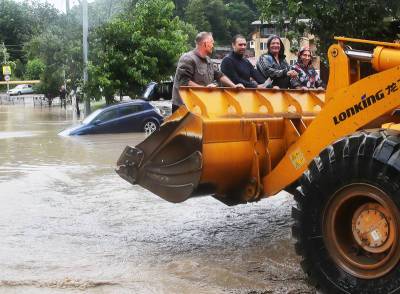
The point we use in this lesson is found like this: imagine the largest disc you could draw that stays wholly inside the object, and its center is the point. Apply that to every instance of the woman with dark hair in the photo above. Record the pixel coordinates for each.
(274, 66)
(307, 75)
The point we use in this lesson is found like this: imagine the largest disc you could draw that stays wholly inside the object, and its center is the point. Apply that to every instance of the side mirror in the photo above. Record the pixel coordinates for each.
(97, 122)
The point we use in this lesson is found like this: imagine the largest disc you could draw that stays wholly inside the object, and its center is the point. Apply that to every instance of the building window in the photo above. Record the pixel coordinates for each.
(263, 46)
(267, 31)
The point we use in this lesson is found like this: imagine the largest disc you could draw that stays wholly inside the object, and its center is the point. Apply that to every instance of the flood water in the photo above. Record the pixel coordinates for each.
(70, 224)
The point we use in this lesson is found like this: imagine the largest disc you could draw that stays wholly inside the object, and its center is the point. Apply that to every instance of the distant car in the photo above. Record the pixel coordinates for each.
(21, 89)
(133, 116)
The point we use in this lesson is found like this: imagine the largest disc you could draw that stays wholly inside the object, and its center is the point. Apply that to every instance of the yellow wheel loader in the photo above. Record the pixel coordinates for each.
(337, 152)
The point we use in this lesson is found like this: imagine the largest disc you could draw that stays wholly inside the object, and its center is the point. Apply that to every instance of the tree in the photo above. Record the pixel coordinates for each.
(19, 22)
(351, 18)
(58, 48)
(135, 48)
(34, 69)
(240, 16)
(223, 19)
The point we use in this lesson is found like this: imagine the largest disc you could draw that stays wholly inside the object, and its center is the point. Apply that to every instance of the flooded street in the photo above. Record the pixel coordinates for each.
(70, 224)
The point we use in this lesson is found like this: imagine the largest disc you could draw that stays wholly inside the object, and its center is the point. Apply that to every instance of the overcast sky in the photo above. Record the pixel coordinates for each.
(59, 4)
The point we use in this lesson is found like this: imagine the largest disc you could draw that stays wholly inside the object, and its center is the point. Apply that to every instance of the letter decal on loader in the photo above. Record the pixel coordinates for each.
(362, 105)
(365, 103)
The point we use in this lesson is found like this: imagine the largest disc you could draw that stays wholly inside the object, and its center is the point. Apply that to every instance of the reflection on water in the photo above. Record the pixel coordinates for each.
(5, 135)
(69, 223)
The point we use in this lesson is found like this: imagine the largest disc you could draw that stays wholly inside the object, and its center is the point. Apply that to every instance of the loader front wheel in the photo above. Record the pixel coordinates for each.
(347, 219)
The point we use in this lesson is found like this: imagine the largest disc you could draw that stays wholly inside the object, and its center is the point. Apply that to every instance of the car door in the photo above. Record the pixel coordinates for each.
(130, 118)
(106, 122)
(24, 89)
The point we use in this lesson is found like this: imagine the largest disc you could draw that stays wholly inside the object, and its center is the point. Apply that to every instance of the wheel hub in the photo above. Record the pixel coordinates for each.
(371, 228)
(361, 231)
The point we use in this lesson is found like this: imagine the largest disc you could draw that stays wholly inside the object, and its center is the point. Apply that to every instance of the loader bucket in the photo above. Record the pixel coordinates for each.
(169, 162)
(221, 142)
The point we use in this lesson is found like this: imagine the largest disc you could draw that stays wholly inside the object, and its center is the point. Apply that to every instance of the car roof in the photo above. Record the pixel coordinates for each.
(122, 104)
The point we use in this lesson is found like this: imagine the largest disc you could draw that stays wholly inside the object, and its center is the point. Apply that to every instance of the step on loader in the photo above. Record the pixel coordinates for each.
(337, 151)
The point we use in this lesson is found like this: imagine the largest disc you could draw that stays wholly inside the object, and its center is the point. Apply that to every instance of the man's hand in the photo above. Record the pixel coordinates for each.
(212, 85)
(240, 86)
(292, 74)
(261, 86)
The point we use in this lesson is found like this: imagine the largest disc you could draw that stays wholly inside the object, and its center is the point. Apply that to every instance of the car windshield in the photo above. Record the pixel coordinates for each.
(91, 117)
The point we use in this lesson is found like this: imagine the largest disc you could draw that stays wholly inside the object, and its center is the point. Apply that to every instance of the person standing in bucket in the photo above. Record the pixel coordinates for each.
(238, 68)
(274, 66)
(307, 76)
(195, 69)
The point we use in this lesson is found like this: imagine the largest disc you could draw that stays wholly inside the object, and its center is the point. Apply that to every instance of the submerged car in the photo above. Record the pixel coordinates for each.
(21, 89)
(133, 116)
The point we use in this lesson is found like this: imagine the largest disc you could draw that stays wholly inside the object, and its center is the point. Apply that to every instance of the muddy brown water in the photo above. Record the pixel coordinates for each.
(69, 224)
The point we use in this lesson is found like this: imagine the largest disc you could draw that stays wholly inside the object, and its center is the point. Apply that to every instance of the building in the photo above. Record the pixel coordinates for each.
(263, 30)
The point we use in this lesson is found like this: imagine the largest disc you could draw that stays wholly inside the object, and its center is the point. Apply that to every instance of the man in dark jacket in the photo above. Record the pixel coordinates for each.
(238, 69)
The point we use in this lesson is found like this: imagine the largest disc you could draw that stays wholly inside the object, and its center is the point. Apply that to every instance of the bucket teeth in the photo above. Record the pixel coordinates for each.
(128, 163)
(169, 162)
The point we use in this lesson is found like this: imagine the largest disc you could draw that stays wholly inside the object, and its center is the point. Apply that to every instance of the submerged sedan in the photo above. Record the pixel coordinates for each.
(133, 116)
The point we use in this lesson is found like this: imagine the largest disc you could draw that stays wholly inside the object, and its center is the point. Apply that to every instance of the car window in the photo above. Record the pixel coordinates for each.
(130, 109)
(108, 115)
(91, 116)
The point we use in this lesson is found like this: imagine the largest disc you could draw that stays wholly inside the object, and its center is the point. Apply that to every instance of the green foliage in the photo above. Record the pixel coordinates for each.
(34, 68)
(240, 17)
(223, 19)
(19, 22)
(135, 48)
(58, 48)
(352, 18)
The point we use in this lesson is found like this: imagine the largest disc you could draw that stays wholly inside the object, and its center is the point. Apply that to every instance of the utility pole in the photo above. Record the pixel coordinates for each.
(67, 6)
(85, 53)
(5, 63)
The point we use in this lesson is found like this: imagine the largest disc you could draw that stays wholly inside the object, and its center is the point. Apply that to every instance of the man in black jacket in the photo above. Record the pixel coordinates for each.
(238, 69)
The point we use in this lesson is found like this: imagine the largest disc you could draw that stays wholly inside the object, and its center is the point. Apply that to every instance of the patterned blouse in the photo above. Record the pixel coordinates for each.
(308, 77)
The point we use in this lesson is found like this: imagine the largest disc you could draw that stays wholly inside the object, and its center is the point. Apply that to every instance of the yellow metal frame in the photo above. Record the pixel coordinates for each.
(327, 126)
(245, 144)
(265, 139)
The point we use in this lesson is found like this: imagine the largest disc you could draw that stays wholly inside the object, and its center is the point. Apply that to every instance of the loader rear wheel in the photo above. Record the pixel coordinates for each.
(347, 219)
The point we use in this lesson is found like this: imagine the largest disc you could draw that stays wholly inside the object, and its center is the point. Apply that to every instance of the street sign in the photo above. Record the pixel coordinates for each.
(6, 70)
(7, 78)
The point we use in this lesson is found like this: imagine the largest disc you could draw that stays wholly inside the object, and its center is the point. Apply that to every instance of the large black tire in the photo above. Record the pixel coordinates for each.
(351, 178)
